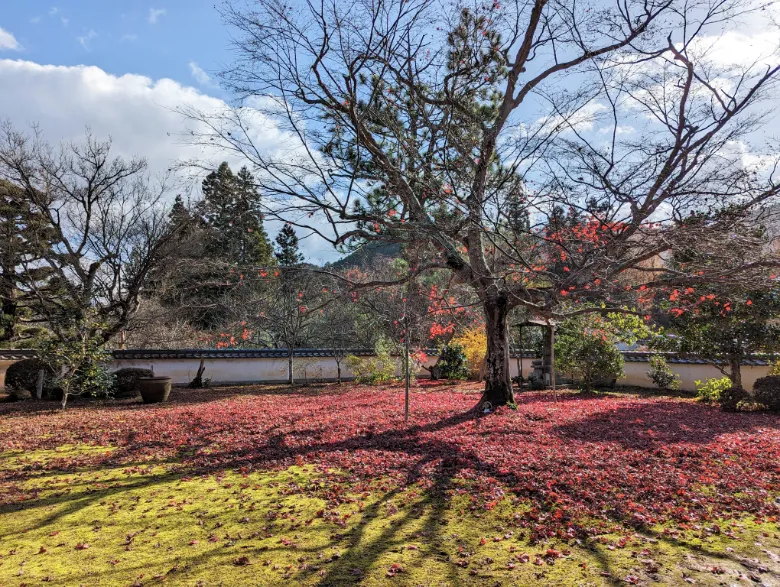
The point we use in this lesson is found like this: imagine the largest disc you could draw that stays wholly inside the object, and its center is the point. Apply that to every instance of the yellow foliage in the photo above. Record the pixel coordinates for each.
(474, 344)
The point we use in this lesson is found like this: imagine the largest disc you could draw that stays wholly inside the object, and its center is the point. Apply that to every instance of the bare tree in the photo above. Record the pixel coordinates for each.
(541, 150)
(105, 230)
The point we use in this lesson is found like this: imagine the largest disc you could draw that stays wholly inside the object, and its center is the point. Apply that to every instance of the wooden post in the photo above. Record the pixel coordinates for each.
(39, 384)
(408, 377)
(552, 361)
(521, 359)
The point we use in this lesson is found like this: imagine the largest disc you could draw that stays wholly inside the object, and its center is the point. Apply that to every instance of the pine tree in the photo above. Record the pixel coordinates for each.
(231, 210)
(180, 216)
(287, 252)
(25, 239)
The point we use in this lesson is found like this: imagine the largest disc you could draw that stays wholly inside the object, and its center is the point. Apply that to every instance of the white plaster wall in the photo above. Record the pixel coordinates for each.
(636, 374)
(246, 370)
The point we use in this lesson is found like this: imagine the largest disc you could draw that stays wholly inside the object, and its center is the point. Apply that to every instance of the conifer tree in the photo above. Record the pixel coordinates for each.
(287, 252)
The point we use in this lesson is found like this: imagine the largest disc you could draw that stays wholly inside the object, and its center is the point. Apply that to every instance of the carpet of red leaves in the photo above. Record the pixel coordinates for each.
(584, 465)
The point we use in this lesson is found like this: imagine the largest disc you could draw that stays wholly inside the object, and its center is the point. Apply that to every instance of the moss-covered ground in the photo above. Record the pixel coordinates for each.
(108, 511)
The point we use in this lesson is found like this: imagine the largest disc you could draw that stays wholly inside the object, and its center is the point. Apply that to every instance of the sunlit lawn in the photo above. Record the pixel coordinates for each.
(329, 486)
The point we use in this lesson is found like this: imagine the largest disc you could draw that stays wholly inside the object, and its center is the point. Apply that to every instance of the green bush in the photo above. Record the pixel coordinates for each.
(661, 373)
(80, 364)
(21, 379)
(767, 392)
(711, 390)
(731, 397)
(380, 368)
(453, 363)
(126, 380)
(588, 358)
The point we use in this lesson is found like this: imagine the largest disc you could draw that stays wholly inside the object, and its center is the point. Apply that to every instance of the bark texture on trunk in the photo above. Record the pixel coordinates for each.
(736, 373)
(498, 381)
(290, 378)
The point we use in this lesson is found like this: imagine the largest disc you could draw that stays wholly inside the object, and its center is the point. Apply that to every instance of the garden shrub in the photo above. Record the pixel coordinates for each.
(731, 397)
(126, 380)
(661, 373)
(767, 392)
(21, 379)
(81, 367)
(588, 358)
(380, 368)
(474, 344)
(453, 363)
(711, 390)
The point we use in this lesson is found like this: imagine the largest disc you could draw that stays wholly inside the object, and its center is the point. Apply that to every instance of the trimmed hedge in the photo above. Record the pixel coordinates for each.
(21, 378)
(127, 380)
(767, 392)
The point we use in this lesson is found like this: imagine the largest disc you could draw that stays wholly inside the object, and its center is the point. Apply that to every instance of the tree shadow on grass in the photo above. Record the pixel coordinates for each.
(653, 423)
(435, 459)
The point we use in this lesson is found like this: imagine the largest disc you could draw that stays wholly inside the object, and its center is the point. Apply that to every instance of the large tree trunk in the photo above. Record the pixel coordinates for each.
(736, 372)
(498, 381)
(290, 366)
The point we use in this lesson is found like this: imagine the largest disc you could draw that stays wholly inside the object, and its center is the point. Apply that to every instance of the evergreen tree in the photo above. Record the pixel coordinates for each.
(287, 252)
(231, 210)
(25, 238)
(180, 219)
(222, 238)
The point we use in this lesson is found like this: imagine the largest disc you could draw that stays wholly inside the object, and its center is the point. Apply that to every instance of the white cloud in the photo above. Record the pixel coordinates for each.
(581, 119)
(53, 11)
(761, 47)
(136, 112)
(86, 38)
(8, 42)
(618, 130)
(199, 74)
(155, 14)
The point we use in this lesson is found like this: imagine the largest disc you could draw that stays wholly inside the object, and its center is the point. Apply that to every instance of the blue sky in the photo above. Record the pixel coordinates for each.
(121, 68)
(124, 67)
(157, 39)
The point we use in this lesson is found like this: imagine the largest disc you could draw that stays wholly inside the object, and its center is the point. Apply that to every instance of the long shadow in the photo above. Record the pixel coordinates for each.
(661, 422)
(639, 426)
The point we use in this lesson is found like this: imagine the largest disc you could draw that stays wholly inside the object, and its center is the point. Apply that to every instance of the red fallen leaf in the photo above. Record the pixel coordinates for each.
(242, 561)
(483, 541)
(82, 546)
(394, 570)
(412, 547)
(193, 542)
(42, 550)
(580, 460)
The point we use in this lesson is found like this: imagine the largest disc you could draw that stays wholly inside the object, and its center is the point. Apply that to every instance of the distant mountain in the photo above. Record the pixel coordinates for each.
(367, 255)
